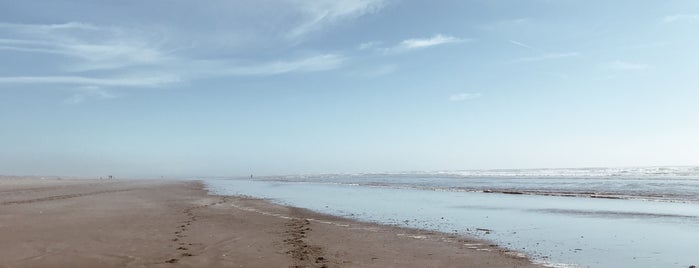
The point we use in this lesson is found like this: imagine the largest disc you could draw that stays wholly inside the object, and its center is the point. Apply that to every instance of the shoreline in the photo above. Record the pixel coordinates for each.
(553, 231)
(155, 223)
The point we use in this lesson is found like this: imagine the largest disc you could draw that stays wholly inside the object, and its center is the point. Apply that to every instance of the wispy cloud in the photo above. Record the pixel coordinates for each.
(520, 44)
(412, 44)
(48, 27)
(309, 64)
(85, 93)
(619, 65)
(369, 45)
(543, 55)
(88, 46)
(505, 24)
(464, 96)
(128, 58)
(144, 54)
(146, 81)
(681, 17)
(321, 13)
(181, 72)
(436, 40)
(375, 71)
(548, 56)
(382, 70)
(98, 58)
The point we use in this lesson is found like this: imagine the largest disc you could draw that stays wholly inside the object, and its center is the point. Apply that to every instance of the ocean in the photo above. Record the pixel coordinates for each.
(589, 217)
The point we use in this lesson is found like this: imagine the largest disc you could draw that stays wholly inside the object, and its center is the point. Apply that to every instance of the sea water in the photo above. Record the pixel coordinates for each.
(646, 217)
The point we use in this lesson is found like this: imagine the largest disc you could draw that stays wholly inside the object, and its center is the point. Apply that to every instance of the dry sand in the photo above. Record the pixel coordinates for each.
(121, 223)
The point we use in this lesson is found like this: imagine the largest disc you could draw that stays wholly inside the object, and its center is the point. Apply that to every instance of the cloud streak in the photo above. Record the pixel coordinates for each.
(680, 18)
(320, 14)
(548, 56)
(520, 44)
(145, 54)
(85, 47)
(48, 27)
(151, 81)
(436, 40)
(375, 71)
(619, 65)
(131, 58)
(412, 44)
(464, 96)
(89, 92)
(369, 45)
(309, 64)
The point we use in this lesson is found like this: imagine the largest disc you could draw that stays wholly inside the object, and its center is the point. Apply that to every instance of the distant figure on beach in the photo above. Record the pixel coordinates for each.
(110, 177)
(251, 176)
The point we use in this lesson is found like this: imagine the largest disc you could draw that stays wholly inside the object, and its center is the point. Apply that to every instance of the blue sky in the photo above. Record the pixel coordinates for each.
(227, 88)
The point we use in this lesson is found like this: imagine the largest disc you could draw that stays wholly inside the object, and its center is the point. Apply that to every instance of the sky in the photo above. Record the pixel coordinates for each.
(230, 88)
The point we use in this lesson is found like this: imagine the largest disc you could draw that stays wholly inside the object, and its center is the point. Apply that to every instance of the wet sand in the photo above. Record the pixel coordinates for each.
(124, 223)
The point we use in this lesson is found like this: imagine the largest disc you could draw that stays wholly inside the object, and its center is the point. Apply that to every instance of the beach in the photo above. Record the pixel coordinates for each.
(158, 223)
(560, 218)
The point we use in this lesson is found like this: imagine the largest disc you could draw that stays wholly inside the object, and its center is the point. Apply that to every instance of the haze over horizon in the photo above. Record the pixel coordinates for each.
(178, 88)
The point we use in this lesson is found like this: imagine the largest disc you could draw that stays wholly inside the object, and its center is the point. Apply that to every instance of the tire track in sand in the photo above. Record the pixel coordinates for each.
(60, 197)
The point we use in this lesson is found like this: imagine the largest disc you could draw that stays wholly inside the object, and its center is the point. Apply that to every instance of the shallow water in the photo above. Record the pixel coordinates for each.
(675, 184)
(586, 232)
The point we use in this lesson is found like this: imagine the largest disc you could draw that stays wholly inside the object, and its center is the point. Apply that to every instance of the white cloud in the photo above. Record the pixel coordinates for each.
(116, 55)
(131, 58)
(413, 44)
(48, 27)
(681, 17)
(150, 81)
(369, 45)
(79, 49)
(436, 40)
(520, 44)
(627, 66)
(85, 93)
(319, 14)
(464, 96)
(375, 71)
(518, 20)
(88, 47)
(157, 51)
(309, 64)
(548, 56)
(382, 70)
(507, 24)
(107, 55)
